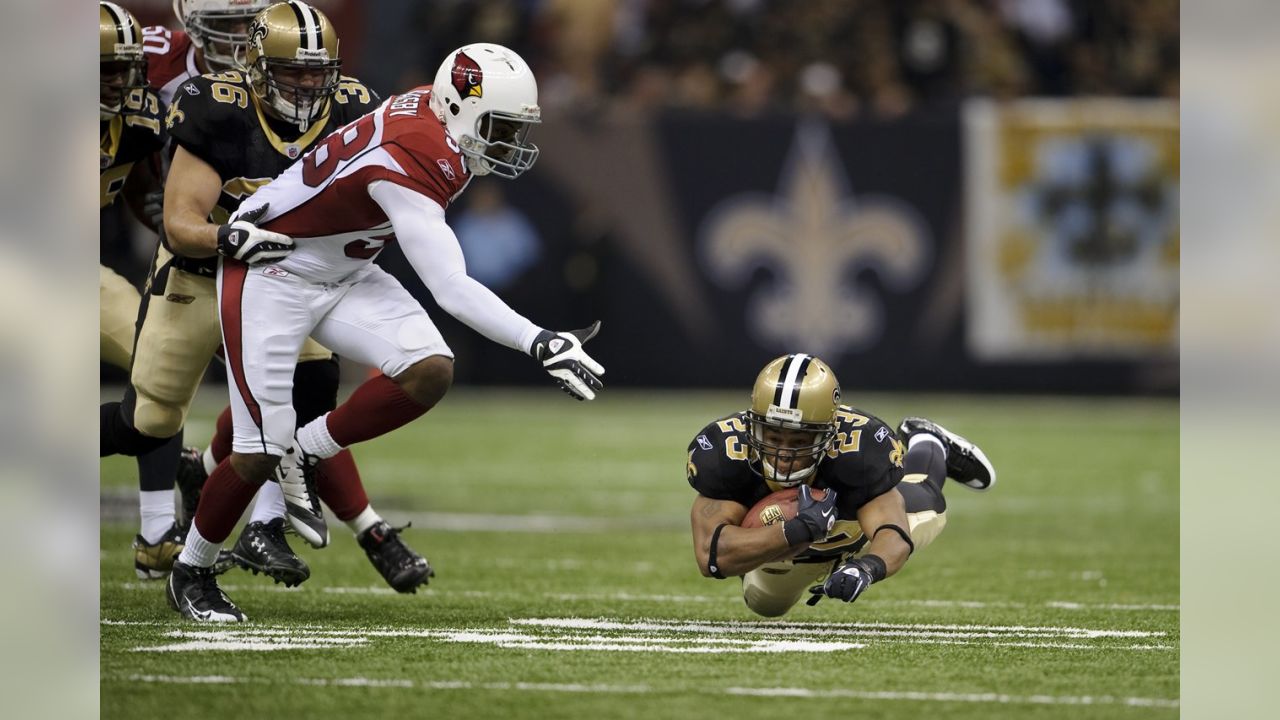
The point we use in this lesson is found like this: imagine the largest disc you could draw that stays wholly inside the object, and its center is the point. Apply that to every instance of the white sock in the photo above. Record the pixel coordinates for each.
(314, 438)
(156, 507)
(270, 503)
(209, 463)
(198, 551)
(926, 437)
(365, 520)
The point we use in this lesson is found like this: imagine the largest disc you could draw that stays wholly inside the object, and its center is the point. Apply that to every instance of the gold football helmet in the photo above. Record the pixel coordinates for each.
(122, 68)
(791, 423)
(293, 61)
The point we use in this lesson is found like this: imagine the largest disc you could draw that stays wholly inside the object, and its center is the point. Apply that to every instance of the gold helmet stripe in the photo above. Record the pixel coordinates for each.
(308, 26)
(793, 370)
(124, 28)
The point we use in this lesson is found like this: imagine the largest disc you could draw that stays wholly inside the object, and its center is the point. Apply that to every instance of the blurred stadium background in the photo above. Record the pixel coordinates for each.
(942, 195)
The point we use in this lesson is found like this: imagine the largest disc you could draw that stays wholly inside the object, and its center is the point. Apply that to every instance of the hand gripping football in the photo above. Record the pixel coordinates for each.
(777, 508)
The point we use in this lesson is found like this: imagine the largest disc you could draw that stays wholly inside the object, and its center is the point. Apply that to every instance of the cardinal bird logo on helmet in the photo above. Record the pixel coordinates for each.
(467, 77)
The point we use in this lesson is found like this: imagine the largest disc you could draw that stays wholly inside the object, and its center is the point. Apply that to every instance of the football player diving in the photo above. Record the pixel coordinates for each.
(233, 132)
(297, 261)
(131, 136)
(883, 499)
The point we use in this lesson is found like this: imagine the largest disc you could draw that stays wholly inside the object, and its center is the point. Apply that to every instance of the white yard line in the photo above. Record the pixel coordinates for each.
(793, 692)
(654, 635)
(988, 698)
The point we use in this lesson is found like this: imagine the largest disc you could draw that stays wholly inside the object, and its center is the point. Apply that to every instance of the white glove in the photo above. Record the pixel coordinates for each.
(245, 241)
(562, 355)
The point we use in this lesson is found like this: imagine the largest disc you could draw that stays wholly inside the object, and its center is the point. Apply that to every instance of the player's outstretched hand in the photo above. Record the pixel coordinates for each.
(846, 583)
(562, 356)
(243, 240)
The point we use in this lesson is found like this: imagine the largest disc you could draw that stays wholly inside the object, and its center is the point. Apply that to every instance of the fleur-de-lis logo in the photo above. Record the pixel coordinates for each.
(816, 238)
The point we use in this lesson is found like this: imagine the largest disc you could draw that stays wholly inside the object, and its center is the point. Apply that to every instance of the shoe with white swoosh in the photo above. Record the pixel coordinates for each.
(966, 463)
(194, 593)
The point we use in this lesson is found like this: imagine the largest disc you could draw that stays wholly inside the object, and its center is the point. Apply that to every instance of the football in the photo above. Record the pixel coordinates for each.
(776, 508)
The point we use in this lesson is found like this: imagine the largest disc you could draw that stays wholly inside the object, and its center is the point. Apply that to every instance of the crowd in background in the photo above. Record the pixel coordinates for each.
(844, 58)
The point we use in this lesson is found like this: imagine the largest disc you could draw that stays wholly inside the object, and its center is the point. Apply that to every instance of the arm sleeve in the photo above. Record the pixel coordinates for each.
(433, 251)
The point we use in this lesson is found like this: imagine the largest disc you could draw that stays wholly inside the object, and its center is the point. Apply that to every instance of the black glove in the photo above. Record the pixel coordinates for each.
(850, 580)
(153, 208)
(813, 519)
(242, 240)
(561, 354)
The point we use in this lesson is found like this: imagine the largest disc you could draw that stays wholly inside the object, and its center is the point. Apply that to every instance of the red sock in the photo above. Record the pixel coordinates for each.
(339, 486)
(220, 445)
(222, 502)
(376, 408)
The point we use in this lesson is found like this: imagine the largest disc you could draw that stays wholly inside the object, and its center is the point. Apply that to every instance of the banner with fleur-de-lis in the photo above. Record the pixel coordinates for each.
(1072, 235)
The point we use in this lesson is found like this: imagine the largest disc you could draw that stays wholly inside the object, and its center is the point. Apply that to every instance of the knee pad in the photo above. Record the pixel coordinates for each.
(315, 388)
(157, 418)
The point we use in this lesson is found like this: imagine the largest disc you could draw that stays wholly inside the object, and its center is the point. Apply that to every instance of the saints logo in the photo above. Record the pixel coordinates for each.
(816, 239)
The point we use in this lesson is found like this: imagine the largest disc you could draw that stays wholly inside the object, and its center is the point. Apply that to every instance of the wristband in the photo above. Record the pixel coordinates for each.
(875, 567)
(796, 532)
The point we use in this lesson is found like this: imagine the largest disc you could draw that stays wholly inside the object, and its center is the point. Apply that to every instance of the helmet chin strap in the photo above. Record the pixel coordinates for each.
(792, 479)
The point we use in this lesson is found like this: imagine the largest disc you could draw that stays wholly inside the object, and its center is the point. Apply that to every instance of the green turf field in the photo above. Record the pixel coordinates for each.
(566, 586)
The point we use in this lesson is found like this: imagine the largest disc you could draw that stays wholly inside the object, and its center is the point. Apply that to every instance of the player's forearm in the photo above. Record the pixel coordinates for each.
(740, 550)
(890, 548)
(190, 234)
(484, 312)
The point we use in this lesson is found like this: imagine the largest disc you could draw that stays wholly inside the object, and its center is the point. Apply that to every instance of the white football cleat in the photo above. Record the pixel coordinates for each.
(302, 507)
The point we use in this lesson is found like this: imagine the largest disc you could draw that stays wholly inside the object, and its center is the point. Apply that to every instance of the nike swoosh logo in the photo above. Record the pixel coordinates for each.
(827, 512)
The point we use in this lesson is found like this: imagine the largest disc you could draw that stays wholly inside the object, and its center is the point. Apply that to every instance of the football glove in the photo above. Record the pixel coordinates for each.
(242, 240)
(153, 208)
(847, 582)
(562, 356)
(813, 519)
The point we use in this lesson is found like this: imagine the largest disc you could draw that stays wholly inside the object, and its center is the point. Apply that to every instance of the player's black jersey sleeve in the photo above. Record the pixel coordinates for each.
(864, 462)
(718, 463)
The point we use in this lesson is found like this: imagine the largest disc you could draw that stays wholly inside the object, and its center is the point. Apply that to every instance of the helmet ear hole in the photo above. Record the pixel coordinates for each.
(454, 108)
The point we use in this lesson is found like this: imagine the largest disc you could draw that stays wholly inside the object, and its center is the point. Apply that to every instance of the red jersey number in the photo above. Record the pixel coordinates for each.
(342, 145)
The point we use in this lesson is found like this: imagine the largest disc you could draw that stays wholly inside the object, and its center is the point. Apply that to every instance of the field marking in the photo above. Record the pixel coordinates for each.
(602, 688)
(661, 598)
(997, 698)
(658, 635)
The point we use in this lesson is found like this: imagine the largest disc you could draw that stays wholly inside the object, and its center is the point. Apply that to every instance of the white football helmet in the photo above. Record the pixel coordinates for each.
(220, 28)
(487, 98)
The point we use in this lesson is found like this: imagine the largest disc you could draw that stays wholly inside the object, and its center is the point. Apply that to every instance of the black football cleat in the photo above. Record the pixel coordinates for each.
(966, 463)
(402, 568)
(263, 549)
(194, 593)
(296, 475)
(154, 561)
(191, 477)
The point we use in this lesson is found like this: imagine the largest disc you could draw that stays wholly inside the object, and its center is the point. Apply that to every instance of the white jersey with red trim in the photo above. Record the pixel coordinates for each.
(171, 60)
(323, 200)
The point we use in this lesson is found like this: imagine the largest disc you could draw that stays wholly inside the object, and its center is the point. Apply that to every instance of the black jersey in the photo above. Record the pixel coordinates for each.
(218, 119)
(127, 139)
(864, 462)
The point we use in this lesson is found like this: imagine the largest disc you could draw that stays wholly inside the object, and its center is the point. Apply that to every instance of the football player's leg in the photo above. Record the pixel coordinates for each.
(774, 588)
(378, 323)
(176, 338)
(261, 351)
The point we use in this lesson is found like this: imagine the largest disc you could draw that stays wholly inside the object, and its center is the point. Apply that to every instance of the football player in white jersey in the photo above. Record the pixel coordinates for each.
(297, 262)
